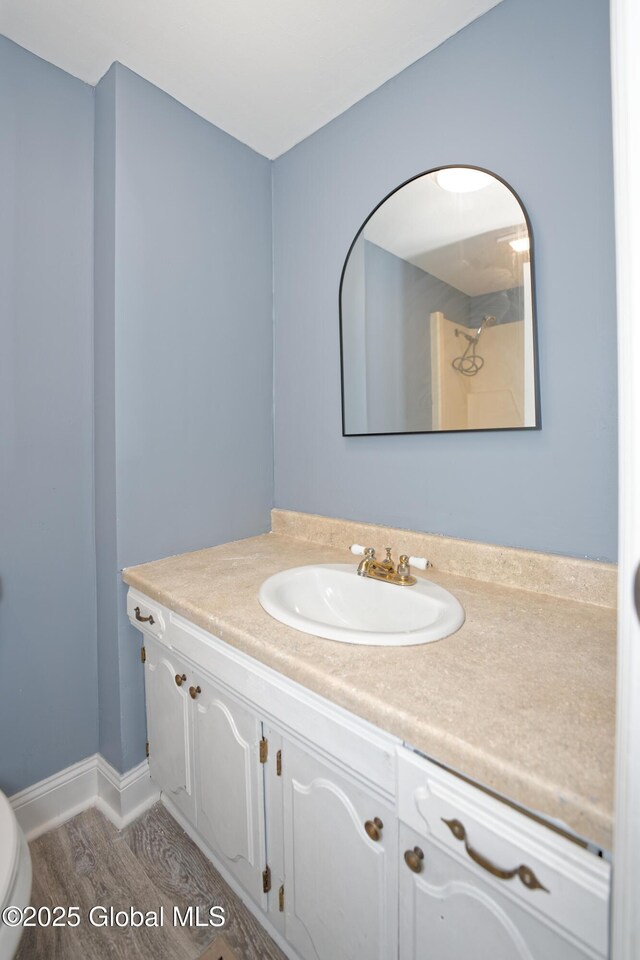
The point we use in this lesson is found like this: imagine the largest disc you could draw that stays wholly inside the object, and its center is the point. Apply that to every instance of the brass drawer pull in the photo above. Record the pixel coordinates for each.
(526, 874)
(180, 679)
(374, 828)
(194, 691)
(148, 619)
(413, 859)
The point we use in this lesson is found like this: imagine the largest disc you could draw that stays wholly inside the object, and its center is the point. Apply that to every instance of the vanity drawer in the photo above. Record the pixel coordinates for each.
(544, 872)
(144, 614)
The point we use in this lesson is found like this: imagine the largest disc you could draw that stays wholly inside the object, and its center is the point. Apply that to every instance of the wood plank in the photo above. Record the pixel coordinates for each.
(84, 863)
(220, 950)
(181, 871)
(151, 864)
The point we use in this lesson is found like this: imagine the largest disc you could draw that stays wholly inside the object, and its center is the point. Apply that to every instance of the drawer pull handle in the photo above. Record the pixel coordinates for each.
(194, 691)
(374, 828)
(413, 859)
(180, 679)
(142, 619)
(526, 874)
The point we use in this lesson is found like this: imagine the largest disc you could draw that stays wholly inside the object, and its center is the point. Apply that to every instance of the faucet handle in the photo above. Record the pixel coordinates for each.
(420, 562)
(360, 550)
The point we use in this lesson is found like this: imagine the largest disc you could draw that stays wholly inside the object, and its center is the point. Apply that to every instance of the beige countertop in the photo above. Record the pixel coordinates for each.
(521, 699)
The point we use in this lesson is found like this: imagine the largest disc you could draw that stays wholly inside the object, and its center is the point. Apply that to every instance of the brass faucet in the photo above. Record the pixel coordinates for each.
(386, 570)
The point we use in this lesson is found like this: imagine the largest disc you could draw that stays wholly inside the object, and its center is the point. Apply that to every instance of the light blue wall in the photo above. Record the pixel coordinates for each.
(108, 582)
(48, 702)
(184, 449)
(523, 91)
(183, 343)
(194, 326)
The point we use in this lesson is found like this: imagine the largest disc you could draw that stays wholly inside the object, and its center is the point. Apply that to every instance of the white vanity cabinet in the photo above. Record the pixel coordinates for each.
(481, 879)
(229, 783)
(204, 753)
(340, 863)
(346, 844)
(448, 912)
(168, 724)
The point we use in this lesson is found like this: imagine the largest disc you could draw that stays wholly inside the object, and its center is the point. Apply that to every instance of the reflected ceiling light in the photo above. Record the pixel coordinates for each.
(520, 245)
(462, 179)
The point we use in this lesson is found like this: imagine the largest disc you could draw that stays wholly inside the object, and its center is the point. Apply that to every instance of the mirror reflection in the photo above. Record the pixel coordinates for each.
(436, 310)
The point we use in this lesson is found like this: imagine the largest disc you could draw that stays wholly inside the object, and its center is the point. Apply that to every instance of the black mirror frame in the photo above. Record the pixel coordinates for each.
(536, 367)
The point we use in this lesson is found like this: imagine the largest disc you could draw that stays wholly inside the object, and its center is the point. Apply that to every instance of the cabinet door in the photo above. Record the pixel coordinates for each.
(448, 913)
(340, 884)
(230, 784)
(168, 724)
(492, 879)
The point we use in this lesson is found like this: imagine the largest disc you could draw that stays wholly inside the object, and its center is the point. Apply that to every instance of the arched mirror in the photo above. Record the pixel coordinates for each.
(437, 317)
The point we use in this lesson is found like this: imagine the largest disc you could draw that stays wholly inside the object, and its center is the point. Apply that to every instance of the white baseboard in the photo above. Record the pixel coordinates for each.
(123, 797)
(90, 783)
(58, 798)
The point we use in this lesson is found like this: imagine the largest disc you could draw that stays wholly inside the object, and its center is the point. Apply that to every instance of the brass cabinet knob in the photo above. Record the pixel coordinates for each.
(374, 828)
(180, 679)
(413, 859)
(194, 691)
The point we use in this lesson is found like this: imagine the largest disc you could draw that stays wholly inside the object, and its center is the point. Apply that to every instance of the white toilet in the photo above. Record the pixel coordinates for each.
(15, 875)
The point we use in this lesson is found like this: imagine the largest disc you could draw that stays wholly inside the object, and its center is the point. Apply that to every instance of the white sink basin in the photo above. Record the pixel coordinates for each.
(330, 600)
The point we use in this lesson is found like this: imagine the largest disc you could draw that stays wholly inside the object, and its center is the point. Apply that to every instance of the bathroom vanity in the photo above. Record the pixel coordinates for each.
(299, 767)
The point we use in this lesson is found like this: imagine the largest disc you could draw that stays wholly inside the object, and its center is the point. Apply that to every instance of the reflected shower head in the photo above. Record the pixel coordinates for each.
(487, 321)
(470, 363)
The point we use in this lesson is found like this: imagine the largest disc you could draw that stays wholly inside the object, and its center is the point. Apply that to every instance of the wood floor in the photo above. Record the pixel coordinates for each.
(152, 863)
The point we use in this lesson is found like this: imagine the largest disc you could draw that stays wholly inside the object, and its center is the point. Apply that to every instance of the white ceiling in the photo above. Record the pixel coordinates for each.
(459, 237)
(421, 217)
(269, 72)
